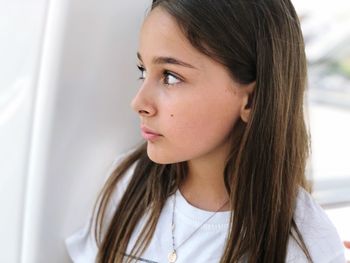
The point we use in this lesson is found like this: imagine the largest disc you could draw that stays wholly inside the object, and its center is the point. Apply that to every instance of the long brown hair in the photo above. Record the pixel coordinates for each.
(257, 41)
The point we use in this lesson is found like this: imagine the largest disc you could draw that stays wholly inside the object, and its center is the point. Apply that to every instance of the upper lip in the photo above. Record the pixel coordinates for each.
(148, 130)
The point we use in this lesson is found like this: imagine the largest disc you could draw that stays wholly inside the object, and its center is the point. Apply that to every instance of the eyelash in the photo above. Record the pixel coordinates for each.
(165, 74)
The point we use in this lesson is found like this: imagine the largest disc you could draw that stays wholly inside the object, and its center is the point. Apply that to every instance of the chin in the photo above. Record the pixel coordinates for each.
(161, 158)
(158, 160)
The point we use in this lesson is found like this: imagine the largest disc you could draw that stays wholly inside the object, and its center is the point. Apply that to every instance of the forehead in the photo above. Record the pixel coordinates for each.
(161, 36)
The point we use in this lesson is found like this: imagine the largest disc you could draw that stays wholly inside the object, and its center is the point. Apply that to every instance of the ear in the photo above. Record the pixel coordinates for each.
(248, 90)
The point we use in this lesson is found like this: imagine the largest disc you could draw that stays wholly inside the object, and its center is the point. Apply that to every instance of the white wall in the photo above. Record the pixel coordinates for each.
(59, 141)
(21, 27)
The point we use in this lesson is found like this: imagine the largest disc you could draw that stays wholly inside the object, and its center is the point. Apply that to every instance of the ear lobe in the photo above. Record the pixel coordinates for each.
(247, 101)
(245, 112)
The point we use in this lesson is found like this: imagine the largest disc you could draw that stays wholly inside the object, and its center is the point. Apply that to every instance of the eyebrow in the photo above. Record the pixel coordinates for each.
(167, 60)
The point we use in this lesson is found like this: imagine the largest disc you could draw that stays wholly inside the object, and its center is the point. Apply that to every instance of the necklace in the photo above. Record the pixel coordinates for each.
(172, 256)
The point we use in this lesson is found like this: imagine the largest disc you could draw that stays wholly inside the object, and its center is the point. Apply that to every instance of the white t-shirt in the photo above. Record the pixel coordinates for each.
(208, 243)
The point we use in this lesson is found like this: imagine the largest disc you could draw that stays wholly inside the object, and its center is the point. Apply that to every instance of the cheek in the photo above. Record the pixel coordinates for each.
(204, 121)
(193, 126)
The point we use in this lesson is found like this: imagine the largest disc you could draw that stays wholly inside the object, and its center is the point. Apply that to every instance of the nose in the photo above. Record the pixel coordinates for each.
(143, 102)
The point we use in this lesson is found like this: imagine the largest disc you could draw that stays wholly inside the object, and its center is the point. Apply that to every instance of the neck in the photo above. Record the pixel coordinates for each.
(204, 186)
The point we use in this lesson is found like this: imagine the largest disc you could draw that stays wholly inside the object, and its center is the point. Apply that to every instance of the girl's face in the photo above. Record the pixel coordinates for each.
(187, 102)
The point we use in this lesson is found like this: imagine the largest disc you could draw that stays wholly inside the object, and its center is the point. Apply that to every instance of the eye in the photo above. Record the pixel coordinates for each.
(142, 71)
(170, 78)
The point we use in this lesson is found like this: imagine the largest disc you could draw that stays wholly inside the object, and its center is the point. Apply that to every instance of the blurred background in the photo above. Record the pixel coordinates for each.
(68, 72)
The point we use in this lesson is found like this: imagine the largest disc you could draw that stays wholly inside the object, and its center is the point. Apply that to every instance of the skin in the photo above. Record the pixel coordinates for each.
(193, 107)
(347, 244)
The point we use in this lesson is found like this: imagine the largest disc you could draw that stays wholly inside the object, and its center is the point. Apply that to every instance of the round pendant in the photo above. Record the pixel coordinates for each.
(172, 257)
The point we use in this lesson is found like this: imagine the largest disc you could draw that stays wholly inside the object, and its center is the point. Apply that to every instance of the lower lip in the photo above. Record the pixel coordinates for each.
(149, 136)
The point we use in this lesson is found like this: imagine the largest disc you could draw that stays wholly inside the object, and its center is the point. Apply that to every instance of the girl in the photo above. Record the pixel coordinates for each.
(221, 177)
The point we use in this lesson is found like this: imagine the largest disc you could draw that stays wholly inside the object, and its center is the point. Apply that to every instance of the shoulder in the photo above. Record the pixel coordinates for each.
(318, 232)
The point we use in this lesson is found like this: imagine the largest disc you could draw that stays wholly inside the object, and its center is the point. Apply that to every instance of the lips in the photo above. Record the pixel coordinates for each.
(149, 134)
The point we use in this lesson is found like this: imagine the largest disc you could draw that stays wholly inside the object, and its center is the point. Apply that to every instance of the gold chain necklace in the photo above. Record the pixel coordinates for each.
(172, 256)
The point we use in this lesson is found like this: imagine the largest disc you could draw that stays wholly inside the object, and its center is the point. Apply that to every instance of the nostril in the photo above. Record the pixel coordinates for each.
(143, 112)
